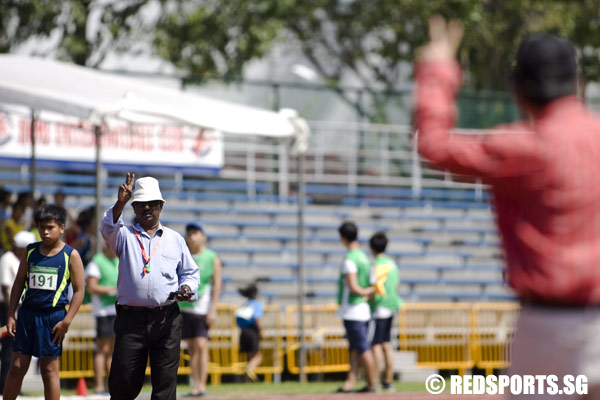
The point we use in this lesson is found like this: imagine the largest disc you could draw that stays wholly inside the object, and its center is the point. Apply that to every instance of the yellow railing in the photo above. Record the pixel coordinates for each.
(326, 348)
(459, 335)
(439, 333)
(443, 336)
(78, 350)
(77, 359)
(494, 327)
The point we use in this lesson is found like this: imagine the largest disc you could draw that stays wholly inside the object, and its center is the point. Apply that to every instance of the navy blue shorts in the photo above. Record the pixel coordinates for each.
(357, 335)
(383, 328)
(34, 332)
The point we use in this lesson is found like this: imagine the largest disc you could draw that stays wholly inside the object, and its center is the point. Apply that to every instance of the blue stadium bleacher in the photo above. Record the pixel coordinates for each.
(444, 242)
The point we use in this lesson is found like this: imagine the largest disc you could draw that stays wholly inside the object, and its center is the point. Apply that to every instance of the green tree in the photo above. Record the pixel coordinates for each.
(214, 39)
(69, 25)
(370, 42)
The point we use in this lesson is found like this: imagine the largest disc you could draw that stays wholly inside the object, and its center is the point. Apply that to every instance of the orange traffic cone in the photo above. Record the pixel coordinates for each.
(81, 387)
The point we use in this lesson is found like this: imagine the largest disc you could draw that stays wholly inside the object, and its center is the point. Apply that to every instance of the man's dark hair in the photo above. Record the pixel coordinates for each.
(546, 69)
(378, 242)
(249, 292)
(348, 231)
(51, 212)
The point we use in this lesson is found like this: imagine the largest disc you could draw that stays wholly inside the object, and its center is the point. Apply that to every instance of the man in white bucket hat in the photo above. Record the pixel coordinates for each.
(154, 261)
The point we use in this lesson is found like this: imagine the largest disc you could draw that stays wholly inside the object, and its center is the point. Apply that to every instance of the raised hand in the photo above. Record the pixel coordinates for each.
(126, 189)
(444, 40)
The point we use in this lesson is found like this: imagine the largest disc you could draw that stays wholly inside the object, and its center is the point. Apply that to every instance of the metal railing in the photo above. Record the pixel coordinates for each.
(443, 336)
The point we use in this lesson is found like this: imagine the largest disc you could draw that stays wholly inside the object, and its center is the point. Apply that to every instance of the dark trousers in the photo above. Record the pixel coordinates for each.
(139, 335)
(6, 349)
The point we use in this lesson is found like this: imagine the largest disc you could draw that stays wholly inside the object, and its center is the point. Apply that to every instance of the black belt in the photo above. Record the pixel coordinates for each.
(145, 309)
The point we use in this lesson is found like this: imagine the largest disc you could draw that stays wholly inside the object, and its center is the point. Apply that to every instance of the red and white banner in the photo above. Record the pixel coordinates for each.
(64, 139)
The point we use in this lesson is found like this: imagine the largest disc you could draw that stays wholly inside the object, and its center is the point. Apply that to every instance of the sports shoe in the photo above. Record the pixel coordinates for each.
(342, 390)
(388, 387)
(251, 375)
(199, 394)
(366, 389)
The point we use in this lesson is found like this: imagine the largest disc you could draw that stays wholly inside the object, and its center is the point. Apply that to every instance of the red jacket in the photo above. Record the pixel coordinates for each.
(545, 181)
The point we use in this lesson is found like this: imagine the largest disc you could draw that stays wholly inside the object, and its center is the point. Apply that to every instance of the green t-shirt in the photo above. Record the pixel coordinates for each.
(391, 300)
(360, 259)
(206, 265)
(109, 274)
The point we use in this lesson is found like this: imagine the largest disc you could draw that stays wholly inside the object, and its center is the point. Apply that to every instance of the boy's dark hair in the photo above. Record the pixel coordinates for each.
(249, 292)
(348, 231)
(378, 242)
(51, 212)
(546, 69)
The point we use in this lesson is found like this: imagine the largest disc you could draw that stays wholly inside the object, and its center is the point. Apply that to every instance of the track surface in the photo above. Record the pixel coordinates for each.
(357, 396)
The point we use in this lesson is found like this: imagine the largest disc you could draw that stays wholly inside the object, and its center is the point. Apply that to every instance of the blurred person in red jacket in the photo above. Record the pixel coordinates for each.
(542, 175)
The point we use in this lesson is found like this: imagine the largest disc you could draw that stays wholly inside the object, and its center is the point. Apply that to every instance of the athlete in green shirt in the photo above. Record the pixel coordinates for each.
(384, 277)
(200, 315)
(354, 288)
(102, 274)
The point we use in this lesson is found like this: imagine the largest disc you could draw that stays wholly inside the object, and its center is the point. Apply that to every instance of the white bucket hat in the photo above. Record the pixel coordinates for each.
(146, 189)
(23, 239)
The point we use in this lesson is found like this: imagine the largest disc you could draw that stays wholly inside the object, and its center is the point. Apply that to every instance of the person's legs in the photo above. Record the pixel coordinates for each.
(546, 343)
(18, 368)
(110, 348)
(104, 347)
(352, 372)
(130, 356)
(358, 332)
(49, 372)
(370, 371)
(378, 356)
(164, 329)
(5, 357)
(195, 349)
(254, 360)
(388, 353)
(202, 365)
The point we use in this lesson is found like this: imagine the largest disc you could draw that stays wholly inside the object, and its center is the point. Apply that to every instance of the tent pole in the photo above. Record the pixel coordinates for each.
(301, 266)
(33, 167)
(98, 210)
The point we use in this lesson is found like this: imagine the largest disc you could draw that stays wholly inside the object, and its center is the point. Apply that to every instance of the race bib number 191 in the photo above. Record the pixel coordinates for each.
(44, 278)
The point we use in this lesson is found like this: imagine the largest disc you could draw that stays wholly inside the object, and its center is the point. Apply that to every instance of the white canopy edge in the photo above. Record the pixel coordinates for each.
(86, 93)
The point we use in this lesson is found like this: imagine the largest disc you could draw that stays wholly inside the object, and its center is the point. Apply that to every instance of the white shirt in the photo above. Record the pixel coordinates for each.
(9, 266)
(352, 312)
(92, 270)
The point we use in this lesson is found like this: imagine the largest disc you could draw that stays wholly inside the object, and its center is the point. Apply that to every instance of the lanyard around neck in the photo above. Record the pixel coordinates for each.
(146, 258)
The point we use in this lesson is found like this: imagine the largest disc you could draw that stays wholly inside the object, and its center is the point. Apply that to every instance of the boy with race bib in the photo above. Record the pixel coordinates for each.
(45, 273)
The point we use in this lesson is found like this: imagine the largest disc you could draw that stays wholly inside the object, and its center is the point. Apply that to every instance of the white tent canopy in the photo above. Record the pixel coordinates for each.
(90, 94)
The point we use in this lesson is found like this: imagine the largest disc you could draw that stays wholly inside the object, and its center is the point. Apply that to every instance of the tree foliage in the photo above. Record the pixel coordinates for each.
(80, 31)
(370, 43)
(215, 39)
